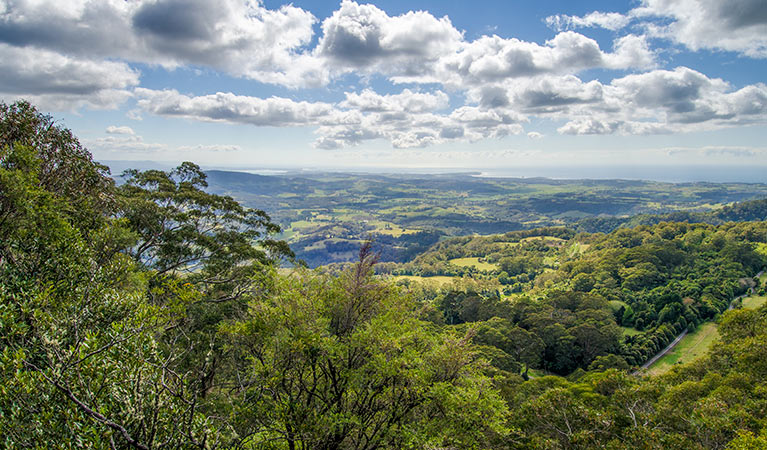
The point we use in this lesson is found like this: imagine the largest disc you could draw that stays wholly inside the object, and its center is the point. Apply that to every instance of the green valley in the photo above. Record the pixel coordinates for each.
(154, 313)
(325, 216)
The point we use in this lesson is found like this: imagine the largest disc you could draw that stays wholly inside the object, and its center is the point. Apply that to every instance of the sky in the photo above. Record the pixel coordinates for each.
(397, 84)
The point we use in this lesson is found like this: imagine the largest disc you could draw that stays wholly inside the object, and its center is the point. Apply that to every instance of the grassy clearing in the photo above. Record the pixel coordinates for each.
(393, 230)
(690, 348)
(468, 262)
(754, 302)
(548, 240)
(576, 248)
(538, 373)
(438, 279)
(628, 331)
(697, 344)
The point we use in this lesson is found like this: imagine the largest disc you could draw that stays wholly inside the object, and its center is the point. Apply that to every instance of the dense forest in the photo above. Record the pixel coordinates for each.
(571, 292)
(155, 314)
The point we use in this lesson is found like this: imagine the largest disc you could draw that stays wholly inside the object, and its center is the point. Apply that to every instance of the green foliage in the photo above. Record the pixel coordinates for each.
(151, 315)
(345, 363)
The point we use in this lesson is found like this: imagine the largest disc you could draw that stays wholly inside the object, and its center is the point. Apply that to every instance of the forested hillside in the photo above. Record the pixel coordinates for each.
(573, 292)
(754, 210)
(155, 314)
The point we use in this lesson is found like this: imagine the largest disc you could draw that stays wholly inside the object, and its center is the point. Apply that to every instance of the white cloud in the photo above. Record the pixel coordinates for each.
(210, 148)
(419, 48)
(718, 152)
(112, 129)
(655, 102)
(245, 39)
(631, 51)
(54, 81)
(364, 37)
(134, 114)
(611, 21)
(407, 101)
(70, 55)
(663, 101)
(549, 94)
(124, 144)
(535, 135)
(405, 119)
(228, 107)
(494, 59)
(735, 25)
(242, 38)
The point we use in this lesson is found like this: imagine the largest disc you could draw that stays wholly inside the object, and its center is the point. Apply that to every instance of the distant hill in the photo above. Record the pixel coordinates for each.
(748, 211)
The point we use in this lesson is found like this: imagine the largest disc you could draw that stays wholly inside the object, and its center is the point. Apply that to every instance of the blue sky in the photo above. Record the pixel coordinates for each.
(412, 84)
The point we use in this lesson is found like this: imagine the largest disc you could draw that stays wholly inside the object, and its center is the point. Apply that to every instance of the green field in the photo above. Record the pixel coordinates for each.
(629, 331)
(394, 231)
(440, 280)
(576, 248)
(473, 262)
(691, 347)
(754, 302)
(548, 240)
(696, 344)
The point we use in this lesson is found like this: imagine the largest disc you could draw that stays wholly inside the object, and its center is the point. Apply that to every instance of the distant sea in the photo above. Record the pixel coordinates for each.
(672, 174)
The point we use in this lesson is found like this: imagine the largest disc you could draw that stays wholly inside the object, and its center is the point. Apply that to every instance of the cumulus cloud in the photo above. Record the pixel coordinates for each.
(407, 101)
(55, 81)
(365, 37)
(69, 55)
(664, 101)
(548, 94)
(655, 102)
(112, 129)
(228, 107)
(242, 38)
(492, 59)
(736, 25)
(415, 130)
(631, 51)
(417, 47)
(406, 119)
